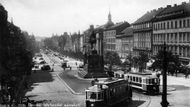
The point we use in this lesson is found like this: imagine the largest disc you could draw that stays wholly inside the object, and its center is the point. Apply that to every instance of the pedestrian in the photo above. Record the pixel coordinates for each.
(53, 67)
(76, 63)
(186, 75)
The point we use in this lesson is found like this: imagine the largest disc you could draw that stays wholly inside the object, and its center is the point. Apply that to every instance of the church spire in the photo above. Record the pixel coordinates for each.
(109, 17)
(109, 23)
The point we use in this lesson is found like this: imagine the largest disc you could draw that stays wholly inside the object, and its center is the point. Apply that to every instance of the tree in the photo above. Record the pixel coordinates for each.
(112, 58)
(142, 60)
(128, 62)
(172, 60)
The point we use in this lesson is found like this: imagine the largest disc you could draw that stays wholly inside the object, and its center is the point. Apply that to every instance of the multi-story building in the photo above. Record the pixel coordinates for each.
(126, 42)
(86, 39)
(68, 44)
(143, 32)
(76, 42)
(98, 32)
(172, 26)
(110, 35)
(81, 43)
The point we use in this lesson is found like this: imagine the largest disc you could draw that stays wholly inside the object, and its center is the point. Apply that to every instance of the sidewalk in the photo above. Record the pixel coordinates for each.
(173, 80)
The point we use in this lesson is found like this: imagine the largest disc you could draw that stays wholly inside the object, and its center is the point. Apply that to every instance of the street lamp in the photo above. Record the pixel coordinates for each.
(164, 102)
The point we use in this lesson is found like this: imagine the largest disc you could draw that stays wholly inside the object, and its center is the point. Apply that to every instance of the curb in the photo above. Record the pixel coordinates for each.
(169, 88)
(72, 91)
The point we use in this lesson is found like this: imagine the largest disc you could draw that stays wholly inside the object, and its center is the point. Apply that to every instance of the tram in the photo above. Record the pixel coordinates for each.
(108, 93)
(145, 82)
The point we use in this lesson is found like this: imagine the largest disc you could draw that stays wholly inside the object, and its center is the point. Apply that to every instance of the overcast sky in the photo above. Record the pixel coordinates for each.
(45, 17)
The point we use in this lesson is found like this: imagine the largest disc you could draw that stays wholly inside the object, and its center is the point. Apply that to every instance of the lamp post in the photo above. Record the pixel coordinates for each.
(164, 102)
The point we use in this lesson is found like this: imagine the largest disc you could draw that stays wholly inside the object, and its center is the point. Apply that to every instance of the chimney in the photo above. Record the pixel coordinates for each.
(91, 26)
(168, 6)
(183, 3)
(175, 5)
(162, 7)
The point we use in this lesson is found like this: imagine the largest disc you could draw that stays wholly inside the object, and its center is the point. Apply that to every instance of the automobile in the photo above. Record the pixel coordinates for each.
(43, 62)
(45, 68)
(41, 58)
(36, 68)
(39, 55)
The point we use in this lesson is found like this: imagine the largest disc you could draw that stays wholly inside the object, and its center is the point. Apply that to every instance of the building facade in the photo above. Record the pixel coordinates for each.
(143, 32)
(110, 34)
(126, 42)
(172, 26)
(68, 44)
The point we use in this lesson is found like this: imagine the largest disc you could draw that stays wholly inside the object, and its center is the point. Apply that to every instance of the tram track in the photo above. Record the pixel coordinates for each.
(142, 97)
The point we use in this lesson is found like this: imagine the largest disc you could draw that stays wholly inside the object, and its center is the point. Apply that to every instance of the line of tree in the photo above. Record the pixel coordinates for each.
(111, 58)
(138, 62)
(16, 51)
(174, 64)
(58, 43)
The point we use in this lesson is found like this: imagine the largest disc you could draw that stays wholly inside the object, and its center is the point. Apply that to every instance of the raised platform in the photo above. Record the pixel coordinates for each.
(84, 74)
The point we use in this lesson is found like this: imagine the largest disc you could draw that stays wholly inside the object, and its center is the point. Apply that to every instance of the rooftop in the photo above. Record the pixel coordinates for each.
(119, 27)
(182, 9)
(147, 17)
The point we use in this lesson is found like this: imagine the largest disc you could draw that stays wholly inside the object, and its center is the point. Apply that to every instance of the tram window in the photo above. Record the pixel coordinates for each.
(93, 95)
(153, 81)
(140, 80)
(99, 96)
(150, 81)
(137, 79)
(133, 78)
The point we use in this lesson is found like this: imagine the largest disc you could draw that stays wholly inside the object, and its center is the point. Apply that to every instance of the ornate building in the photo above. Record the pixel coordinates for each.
(68, 45)
(126, 42)
(110, 34)
(172, 26)
(143, 32)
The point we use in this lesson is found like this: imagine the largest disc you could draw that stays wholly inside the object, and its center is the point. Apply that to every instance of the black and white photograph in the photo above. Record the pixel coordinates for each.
(94, 53)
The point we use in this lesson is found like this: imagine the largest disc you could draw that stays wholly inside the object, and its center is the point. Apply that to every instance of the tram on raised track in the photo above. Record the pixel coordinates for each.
(108, 93)
(145, 82)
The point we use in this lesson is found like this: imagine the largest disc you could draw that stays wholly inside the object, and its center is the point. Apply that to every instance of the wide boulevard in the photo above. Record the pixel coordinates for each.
(65, 88)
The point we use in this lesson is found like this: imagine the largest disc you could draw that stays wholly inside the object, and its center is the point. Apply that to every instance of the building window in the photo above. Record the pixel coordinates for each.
(154, 27)
(176, 24)
(175, 37)
(180, 24)
(168, 25)
(188, 23)
(184, 23)
(161, 26)
(164, 25)
(184, 37)
(158, 26)
(171, 24)
(180, 37)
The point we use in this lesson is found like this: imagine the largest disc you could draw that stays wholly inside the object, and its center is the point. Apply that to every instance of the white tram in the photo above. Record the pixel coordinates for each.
(108, 93)
(144, 81)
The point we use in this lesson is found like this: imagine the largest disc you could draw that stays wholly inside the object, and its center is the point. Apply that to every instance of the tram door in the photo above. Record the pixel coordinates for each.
(144, 86)
(105, 96)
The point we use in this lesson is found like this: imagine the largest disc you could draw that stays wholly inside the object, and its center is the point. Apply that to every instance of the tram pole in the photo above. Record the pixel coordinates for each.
(164, 102)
